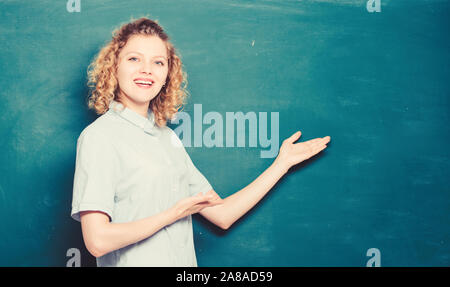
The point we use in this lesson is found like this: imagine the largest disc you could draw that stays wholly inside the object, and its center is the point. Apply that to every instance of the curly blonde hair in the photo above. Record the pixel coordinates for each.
(103, 82)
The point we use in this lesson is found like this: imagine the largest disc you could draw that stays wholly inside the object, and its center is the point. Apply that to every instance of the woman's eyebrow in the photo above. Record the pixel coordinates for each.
(134, 52)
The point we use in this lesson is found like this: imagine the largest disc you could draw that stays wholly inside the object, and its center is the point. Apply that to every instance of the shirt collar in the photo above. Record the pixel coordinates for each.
(146, 124)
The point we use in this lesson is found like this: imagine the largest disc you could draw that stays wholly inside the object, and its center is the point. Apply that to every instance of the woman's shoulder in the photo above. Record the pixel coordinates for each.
(102, 126)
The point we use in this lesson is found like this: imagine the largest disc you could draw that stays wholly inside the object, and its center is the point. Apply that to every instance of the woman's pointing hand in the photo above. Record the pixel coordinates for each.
(293, 153)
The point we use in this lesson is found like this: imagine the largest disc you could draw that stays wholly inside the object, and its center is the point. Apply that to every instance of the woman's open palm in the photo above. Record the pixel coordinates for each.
(293, 153)
(195, 204)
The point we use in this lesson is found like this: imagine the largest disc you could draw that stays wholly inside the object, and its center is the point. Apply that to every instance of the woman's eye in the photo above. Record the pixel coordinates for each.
(134, 59)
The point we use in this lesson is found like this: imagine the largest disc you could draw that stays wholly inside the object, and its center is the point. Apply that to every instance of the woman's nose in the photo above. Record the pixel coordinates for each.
(146, 68)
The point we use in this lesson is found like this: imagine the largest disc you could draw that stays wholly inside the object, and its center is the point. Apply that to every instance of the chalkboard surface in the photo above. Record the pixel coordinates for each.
(374, 79)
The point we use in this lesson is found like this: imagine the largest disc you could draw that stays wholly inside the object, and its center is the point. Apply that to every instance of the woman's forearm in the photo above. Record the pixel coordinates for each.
(239, 203)
(102, 237)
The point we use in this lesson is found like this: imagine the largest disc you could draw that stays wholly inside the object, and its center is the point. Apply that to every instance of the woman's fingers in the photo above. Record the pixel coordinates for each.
(307, 150)
(213, 196)
(196, 203)
(198, 198)
(204, 204)
(311, 145)
(319, 149)
(319, 141)
(207, 198)
(293, 137)
(299, 157)
(293, 153)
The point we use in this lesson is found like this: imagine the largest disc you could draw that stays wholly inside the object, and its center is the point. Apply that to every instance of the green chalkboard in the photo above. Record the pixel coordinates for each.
(376, 82)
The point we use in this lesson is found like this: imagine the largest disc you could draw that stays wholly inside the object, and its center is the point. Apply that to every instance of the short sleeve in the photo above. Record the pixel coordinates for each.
(95, 174)
(197, 181)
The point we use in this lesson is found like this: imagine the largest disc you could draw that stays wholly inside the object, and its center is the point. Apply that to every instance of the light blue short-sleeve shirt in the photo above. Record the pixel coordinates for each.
(129, 168)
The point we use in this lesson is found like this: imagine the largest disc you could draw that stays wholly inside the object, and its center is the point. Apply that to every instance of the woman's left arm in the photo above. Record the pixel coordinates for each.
(237, 204)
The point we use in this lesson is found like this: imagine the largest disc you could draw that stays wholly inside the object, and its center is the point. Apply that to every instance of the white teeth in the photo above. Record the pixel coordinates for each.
(143, 82)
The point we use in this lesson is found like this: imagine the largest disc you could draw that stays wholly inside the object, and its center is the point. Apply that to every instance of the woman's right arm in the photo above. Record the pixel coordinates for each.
(101, 236)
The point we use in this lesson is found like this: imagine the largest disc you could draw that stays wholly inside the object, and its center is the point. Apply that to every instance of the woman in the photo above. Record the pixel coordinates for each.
(135, 186)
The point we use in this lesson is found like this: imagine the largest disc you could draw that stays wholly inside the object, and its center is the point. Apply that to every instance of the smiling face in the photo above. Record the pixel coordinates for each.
(141, 71)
